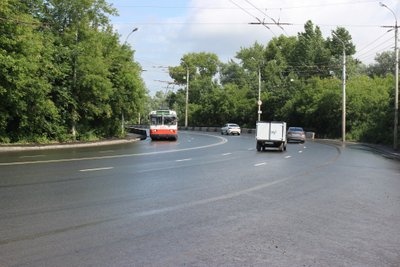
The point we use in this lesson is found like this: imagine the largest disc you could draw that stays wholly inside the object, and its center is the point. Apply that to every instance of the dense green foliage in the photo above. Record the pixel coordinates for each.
(63, 73)
(301, 83)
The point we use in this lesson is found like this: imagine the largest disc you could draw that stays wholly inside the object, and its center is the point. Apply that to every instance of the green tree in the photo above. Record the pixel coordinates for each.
(98, 85)
(202, 68)
(26, 110)
(369, 109)
(385, 64)
(311, 55)
(316, 107)
(335, 44)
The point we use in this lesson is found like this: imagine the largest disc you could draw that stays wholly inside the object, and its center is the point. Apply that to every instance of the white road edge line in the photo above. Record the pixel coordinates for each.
(96, 169)
(223, 141)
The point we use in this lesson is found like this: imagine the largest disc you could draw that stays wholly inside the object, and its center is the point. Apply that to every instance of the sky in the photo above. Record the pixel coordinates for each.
(167, 30)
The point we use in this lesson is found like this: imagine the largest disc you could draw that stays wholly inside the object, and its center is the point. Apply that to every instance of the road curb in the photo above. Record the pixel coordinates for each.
(30, 147)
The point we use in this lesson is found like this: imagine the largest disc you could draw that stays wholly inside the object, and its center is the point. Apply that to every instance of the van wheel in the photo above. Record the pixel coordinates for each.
(281, 147)
(258, 146)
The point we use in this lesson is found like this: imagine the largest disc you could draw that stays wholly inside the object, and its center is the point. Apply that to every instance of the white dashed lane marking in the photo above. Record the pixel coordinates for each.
(96, 169)
(180, 160)
(33, 156)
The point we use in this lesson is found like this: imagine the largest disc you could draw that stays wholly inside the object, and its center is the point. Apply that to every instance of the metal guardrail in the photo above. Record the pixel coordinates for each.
(143, 130)
(139, 130)
(212, 129)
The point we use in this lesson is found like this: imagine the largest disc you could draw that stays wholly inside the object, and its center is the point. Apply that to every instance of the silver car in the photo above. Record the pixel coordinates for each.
(296, 134)
(231, 128)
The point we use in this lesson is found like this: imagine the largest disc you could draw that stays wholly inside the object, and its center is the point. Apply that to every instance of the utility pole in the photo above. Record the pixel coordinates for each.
(343, 89)
(396, 95)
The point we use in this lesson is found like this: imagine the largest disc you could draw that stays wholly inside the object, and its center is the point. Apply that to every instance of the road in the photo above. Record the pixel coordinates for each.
(205, 200)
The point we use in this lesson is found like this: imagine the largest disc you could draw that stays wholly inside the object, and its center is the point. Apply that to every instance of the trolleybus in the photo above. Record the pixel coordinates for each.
(163, 124)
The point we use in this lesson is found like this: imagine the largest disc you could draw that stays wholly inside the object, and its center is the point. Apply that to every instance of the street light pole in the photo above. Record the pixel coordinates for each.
(122, 112)
(259, 103)
(187, 95)
(396, 95)
(259, 93)
(343, 89)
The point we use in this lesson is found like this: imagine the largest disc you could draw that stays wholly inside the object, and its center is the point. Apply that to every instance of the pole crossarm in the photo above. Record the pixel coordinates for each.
(271, 23)
(168, 82)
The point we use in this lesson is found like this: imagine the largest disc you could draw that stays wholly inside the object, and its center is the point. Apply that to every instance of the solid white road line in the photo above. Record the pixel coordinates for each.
(222, 141)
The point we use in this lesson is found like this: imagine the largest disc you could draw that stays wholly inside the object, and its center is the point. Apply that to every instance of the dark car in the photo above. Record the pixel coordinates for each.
(296, 134)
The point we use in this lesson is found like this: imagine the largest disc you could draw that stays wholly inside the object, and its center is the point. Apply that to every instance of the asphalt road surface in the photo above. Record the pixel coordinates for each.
(204, 200)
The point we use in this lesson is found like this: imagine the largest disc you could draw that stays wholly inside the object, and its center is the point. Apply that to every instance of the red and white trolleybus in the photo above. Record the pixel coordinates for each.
(163, 124)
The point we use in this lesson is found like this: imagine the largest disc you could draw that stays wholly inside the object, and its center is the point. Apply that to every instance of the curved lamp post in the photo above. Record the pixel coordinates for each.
(133, 30)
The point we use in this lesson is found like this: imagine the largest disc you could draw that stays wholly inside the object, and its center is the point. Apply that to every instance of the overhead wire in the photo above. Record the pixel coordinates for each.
(373, 49)
(230, 8)
(374, 41)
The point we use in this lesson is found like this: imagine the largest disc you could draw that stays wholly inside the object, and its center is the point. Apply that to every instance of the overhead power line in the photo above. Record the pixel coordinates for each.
(321, 4)
(371, 43)
(373, 49)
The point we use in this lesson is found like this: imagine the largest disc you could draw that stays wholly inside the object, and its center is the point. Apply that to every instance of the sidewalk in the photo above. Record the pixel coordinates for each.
(385, 150)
